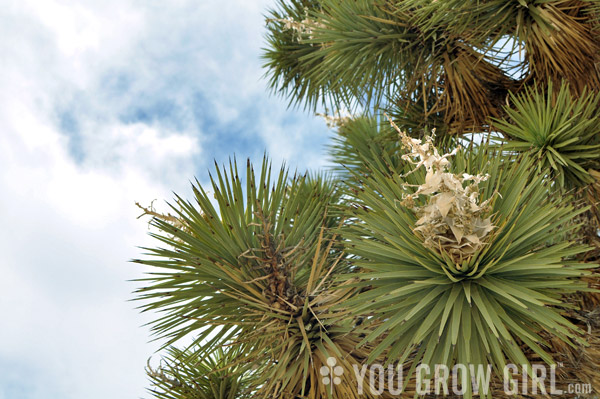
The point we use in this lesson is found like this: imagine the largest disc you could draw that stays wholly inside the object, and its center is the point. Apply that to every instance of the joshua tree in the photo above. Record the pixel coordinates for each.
(459, 226)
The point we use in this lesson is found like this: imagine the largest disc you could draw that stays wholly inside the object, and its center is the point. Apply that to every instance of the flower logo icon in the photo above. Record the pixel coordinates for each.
(331, 373)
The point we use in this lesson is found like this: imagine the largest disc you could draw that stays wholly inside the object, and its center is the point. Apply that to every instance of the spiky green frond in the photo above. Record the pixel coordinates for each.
(559, 130)
(317, 68)
(182, 374)
(446, 62)
(481, 310)
(224, 248)
(287, 50)
(360, 142)
(365, 143)
(253, 270)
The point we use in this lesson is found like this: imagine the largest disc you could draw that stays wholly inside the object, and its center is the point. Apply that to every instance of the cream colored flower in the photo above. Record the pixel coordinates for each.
(301, 29)
(338, 119)
(453, 220)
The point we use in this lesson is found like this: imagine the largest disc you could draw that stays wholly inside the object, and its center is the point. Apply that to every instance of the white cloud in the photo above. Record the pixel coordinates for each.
(67, 234)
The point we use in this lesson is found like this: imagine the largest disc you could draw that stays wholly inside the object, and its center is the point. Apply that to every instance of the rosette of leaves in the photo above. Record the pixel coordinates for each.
(505, 298)
(184, 375)
(252, 268)
(560, 131)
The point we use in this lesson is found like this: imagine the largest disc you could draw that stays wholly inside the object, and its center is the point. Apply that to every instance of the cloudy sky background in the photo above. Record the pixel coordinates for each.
(104, 103)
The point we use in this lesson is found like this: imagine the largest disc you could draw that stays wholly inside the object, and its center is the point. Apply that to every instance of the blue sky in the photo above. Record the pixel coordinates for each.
(104, 103)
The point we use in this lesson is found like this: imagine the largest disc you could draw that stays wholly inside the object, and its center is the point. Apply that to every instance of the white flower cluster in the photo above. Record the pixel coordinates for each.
(300, 28)
(453, 221)
(338, 119)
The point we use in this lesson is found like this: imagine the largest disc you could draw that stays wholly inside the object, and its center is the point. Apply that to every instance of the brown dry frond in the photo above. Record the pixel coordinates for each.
(280, 265)
(465, 84)
(461, 85)
(560, 44)
(473, 90)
